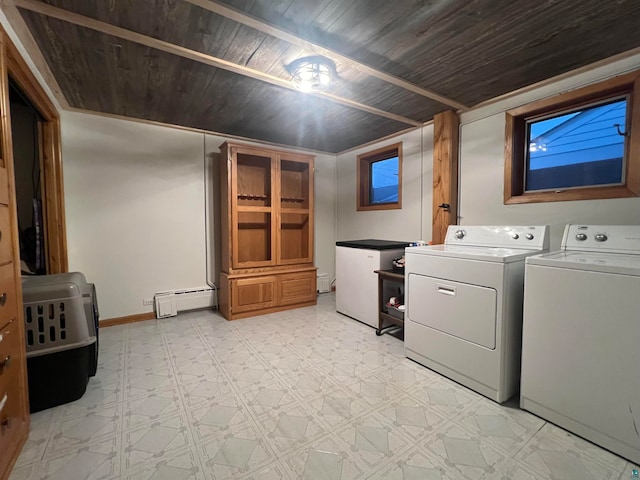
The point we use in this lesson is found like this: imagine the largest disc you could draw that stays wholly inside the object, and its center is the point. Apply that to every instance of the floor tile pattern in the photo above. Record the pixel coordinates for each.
(302, 394)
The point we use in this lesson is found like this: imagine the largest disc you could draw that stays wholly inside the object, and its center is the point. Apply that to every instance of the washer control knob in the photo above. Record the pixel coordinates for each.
(460, 234)
(601, 237)
(529, 236)
(515, 236)
(581, 237)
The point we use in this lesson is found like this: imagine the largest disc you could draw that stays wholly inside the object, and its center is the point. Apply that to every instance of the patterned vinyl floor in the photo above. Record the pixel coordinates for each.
(302, 394)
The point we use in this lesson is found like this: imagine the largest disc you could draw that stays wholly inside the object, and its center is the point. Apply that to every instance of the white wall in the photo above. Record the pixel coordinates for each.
(134, 197)
(413, 221)
(325, 213)
(482, 139)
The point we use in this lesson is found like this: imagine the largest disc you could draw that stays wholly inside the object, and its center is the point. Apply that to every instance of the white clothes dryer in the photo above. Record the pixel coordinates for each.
(463, 302)
(581, 336)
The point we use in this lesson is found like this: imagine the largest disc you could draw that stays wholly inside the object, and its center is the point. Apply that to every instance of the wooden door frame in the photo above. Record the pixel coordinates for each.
(20, 430)
(51, 158)
(446, 127)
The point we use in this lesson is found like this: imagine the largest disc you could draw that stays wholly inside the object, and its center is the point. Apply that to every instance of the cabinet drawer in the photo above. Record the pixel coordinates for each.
(4, 186)
(253, 293)
(8, 300)
(5, 235)
(297, 288)
(10, 348)
(11, 407)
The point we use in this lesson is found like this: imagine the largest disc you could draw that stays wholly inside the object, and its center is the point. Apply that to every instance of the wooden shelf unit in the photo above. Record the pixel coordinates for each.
(267, 231)
(383, 316)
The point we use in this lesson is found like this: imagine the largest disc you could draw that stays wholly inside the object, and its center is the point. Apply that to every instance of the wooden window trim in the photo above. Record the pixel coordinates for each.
(515, 137)
(363, 178)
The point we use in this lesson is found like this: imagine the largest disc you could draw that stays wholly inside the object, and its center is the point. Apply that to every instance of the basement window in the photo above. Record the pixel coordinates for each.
(575, 146)
(380, 179)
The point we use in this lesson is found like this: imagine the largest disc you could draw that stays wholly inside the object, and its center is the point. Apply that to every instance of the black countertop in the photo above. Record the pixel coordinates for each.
(373, 244)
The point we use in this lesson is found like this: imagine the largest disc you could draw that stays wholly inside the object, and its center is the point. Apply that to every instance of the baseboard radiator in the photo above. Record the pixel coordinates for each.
(171, 302)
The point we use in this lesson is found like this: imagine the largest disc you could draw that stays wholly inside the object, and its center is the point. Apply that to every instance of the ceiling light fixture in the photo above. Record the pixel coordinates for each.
(312, 74)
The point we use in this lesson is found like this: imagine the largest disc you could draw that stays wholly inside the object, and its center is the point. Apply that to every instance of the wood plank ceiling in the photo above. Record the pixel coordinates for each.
(221, 65)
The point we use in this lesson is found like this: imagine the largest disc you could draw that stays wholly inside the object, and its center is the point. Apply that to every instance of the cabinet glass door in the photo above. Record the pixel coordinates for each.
(294, 184)
(254, 238)
(294, 237)
(296, 211)
(253, 180)
(254, 232)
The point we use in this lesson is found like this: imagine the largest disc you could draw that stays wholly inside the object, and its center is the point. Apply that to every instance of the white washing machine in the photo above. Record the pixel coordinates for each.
(463, 302)
(581, 337)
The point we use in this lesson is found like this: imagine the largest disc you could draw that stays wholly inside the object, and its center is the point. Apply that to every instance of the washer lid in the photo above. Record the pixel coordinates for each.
(484, 254)
(597, 262)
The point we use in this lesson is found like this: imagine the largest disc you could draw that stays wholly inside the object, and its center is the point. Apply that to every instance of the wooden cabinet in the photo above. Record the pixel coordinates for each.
(14, 400)
(267, 230)
(14, 409)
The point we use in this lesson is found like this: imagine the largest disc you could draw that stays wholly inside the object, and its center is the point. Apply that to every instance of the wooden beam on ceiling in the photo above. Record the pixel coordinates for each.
(262, 26)
(108, 29)
(33, 52)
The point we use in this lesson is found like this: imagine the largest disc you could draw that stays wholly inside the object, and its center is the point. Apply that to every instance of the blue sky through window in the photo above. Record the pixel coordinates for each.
(384, 181)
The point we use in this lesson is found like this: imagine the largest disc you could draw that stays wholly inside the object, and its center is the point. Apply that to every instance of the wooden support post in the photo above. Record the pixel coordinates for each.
(445, 173)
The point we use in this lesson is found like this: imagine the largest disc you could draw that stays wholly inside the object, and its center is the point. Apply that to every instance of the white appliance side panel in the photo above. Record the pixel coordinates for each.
(509, 332)
(459, 309)
(357, 285)
(580, 354)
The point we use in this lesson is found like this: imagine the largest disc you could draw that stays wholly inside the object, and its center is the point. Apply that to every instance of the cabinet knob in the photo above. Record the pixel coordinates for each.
(3, 299)
(6, 422)
(6, 362)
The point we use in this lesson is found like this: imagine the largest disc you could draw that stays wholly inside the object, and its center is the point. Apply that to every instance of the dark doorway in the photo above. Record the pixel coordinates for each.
(27, 157)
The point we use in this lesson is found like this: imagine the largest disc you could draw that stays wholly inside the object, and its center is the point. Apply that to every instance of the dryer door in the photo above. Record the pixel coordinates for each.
(460, 309)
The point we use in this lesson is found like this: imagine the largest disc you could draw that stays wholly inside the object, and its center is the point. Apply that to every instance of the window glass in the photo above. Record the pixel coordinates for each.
(576, 149)
(379, 176)
(384, 181)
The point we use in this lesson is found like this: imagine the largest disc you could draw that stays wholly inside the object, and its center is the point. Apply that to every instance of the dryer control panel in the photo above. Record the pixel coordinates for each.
(602, 238)
(526, 237)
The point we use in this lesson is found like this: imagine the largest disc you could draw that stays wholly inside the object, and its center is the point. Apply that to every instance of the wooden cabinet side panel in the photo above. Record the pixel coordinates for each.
(311, 209)
(225, 208)
(224, 295)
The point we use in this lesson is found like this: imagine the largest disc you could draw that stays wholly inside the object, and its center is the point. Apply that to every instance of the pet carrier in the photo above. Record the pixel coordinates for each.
(61, 329)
